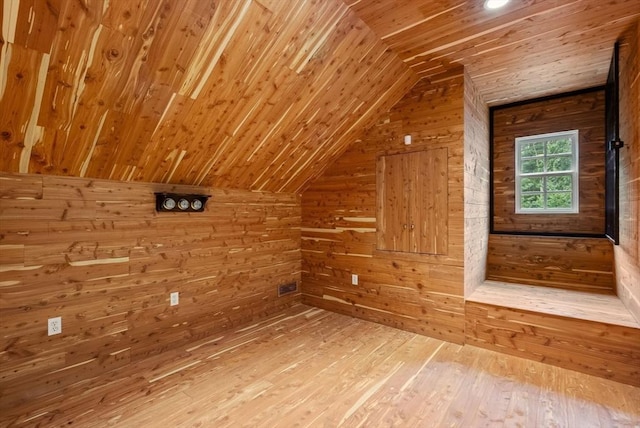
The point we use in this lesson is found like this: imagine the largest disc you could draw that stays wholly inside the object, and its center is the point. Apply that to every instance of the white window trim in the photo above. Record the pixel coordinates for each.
(573, 135)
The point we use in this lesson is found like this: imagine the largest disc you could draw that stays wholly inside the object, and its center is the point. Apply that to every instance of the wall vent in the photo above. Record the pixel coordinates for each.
(288, 288)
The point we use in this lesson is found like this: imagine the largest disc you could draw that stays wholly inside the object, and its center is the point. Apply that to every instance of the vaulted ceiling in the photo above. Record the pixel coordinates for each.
(262, 94)
(250, 94)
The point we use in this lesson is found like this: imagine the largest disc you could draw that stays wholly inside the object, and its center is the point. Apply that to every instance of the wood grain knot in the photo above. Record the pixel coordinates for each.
(113, 54)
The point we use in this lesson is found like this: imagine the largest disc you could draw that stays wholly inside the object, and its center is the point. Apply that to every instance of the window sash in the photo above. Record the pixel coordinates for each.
(545, 156)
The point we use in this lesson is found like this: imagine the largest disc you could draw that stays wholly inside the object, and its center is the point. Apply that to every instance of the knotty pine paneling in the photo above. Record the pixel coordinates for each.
(581, 264)
(627, 254)
(527, 49)
(96, 253)
(584, 112)
(423, 293)
(255, 94)
(476, 186)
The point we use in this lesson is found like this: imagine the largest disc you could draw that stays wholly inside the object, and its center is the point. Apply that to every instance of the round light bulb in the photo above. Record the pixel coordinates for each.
(495, 4)
(196, 204)
(169, 204)
(183, 204)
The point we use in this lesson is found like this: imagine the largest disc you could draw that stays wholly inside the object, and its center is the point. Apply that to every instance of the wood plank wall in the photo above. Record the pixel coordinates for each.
(137, 90)
(476, 186)
(96, 253)
(584, 112)
(581, 264)
(627, 254)
(601, 349)
(417, 292)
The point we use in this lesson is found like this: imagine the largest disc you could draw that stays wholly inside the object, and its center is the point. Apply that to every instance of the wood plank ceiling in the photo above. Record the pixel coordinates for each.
(531, 48)
(261, 94)
(249, 94)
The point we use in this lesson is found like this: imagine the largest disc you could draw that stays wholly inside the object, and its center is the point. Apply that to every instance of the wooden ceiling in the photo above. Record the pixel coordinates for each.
(262, 94)
(251, 94)
(529, 49)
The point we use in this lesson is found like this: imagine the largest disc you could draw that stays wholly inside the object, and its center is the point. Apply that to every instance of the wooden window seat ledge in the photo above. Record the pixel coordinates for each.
(587, 332)
(602, 308)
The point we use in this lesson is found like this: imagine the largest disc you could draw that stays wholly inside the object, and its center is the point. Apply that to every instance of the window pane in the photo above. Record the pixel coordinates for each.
(559, 200)
(532, 149)
(547, 171)
(555, 147)
(559, 182)
(532, 201)
(531, 184)
(532, 165)
(559, 163)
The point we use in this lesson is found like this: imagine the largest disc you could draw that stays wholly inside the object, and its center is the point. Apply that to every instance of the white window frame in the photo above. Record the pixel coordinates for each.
(573, 135)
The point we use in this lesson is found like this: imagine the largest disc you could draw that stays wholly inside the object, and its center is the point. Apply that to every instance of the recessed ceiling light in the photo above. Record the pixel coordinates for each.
(494, 4)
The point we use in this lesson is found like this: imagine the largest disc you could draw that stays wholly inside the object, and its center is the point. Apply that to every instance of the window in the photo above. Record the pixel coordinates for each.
(547, 173)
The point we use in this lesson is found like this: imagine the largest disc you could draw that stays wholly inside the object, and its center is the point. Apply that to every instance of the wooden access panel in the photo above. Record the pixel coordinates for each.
(393, 204)
(413, 201)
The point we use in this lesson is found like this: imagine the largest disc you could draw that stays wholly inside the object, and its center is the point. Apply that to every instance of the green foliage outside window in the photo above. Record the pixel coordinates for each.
(559, 200)
(541, 166)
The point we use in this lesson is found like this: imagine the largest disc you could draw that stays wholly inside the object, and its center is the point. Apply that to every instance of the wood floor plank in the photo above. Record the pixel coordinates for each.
(306, 367)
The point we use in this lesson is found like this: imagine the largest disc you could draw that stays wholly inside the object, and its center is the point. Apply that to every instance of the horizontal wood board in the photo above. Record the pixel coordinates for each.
(580, 264)
(97, 254)
(589, 333)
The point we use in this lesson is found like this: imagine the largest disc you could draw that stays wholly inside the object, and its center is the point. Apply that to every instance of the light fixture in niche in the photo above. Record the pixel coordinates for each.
(183, 204)
(171, 202)
(495, 4)
(196, 204)
(168, 203)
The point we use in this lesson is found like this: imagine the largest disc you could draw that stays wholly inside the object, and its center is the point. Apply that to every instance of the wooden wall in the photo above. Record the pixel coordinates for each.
(582, 264)
(584, 112)
(417, 292)
(627, 254)
(476, 187)
(136, 90)
(96, 253)
(523, 327)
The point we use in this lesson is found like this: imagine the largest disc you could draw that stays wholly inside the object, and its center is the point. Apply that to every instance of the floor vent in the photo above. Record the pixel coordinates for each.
(288, 288)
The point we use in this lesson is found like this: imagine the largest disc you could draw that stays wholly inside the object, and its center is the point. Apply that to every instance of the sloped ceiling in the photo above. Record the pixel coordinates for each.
(262, 94)
(249, 94)
(529, 49)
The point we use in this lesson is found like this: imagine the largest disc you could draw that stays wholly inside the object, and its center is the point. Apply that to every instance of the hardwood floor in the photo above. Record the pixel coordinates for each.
(308, 367)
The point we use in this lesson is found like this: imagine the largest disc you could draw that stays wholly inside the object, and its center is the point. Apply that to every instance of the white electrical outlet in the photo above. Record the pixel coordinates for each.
(354, 279)
(175, 298)
(54, 326)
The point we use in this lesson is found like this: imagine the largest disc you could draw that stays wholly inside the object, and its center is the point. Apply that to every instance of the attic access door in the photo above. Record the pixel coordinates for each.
(412, 203)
